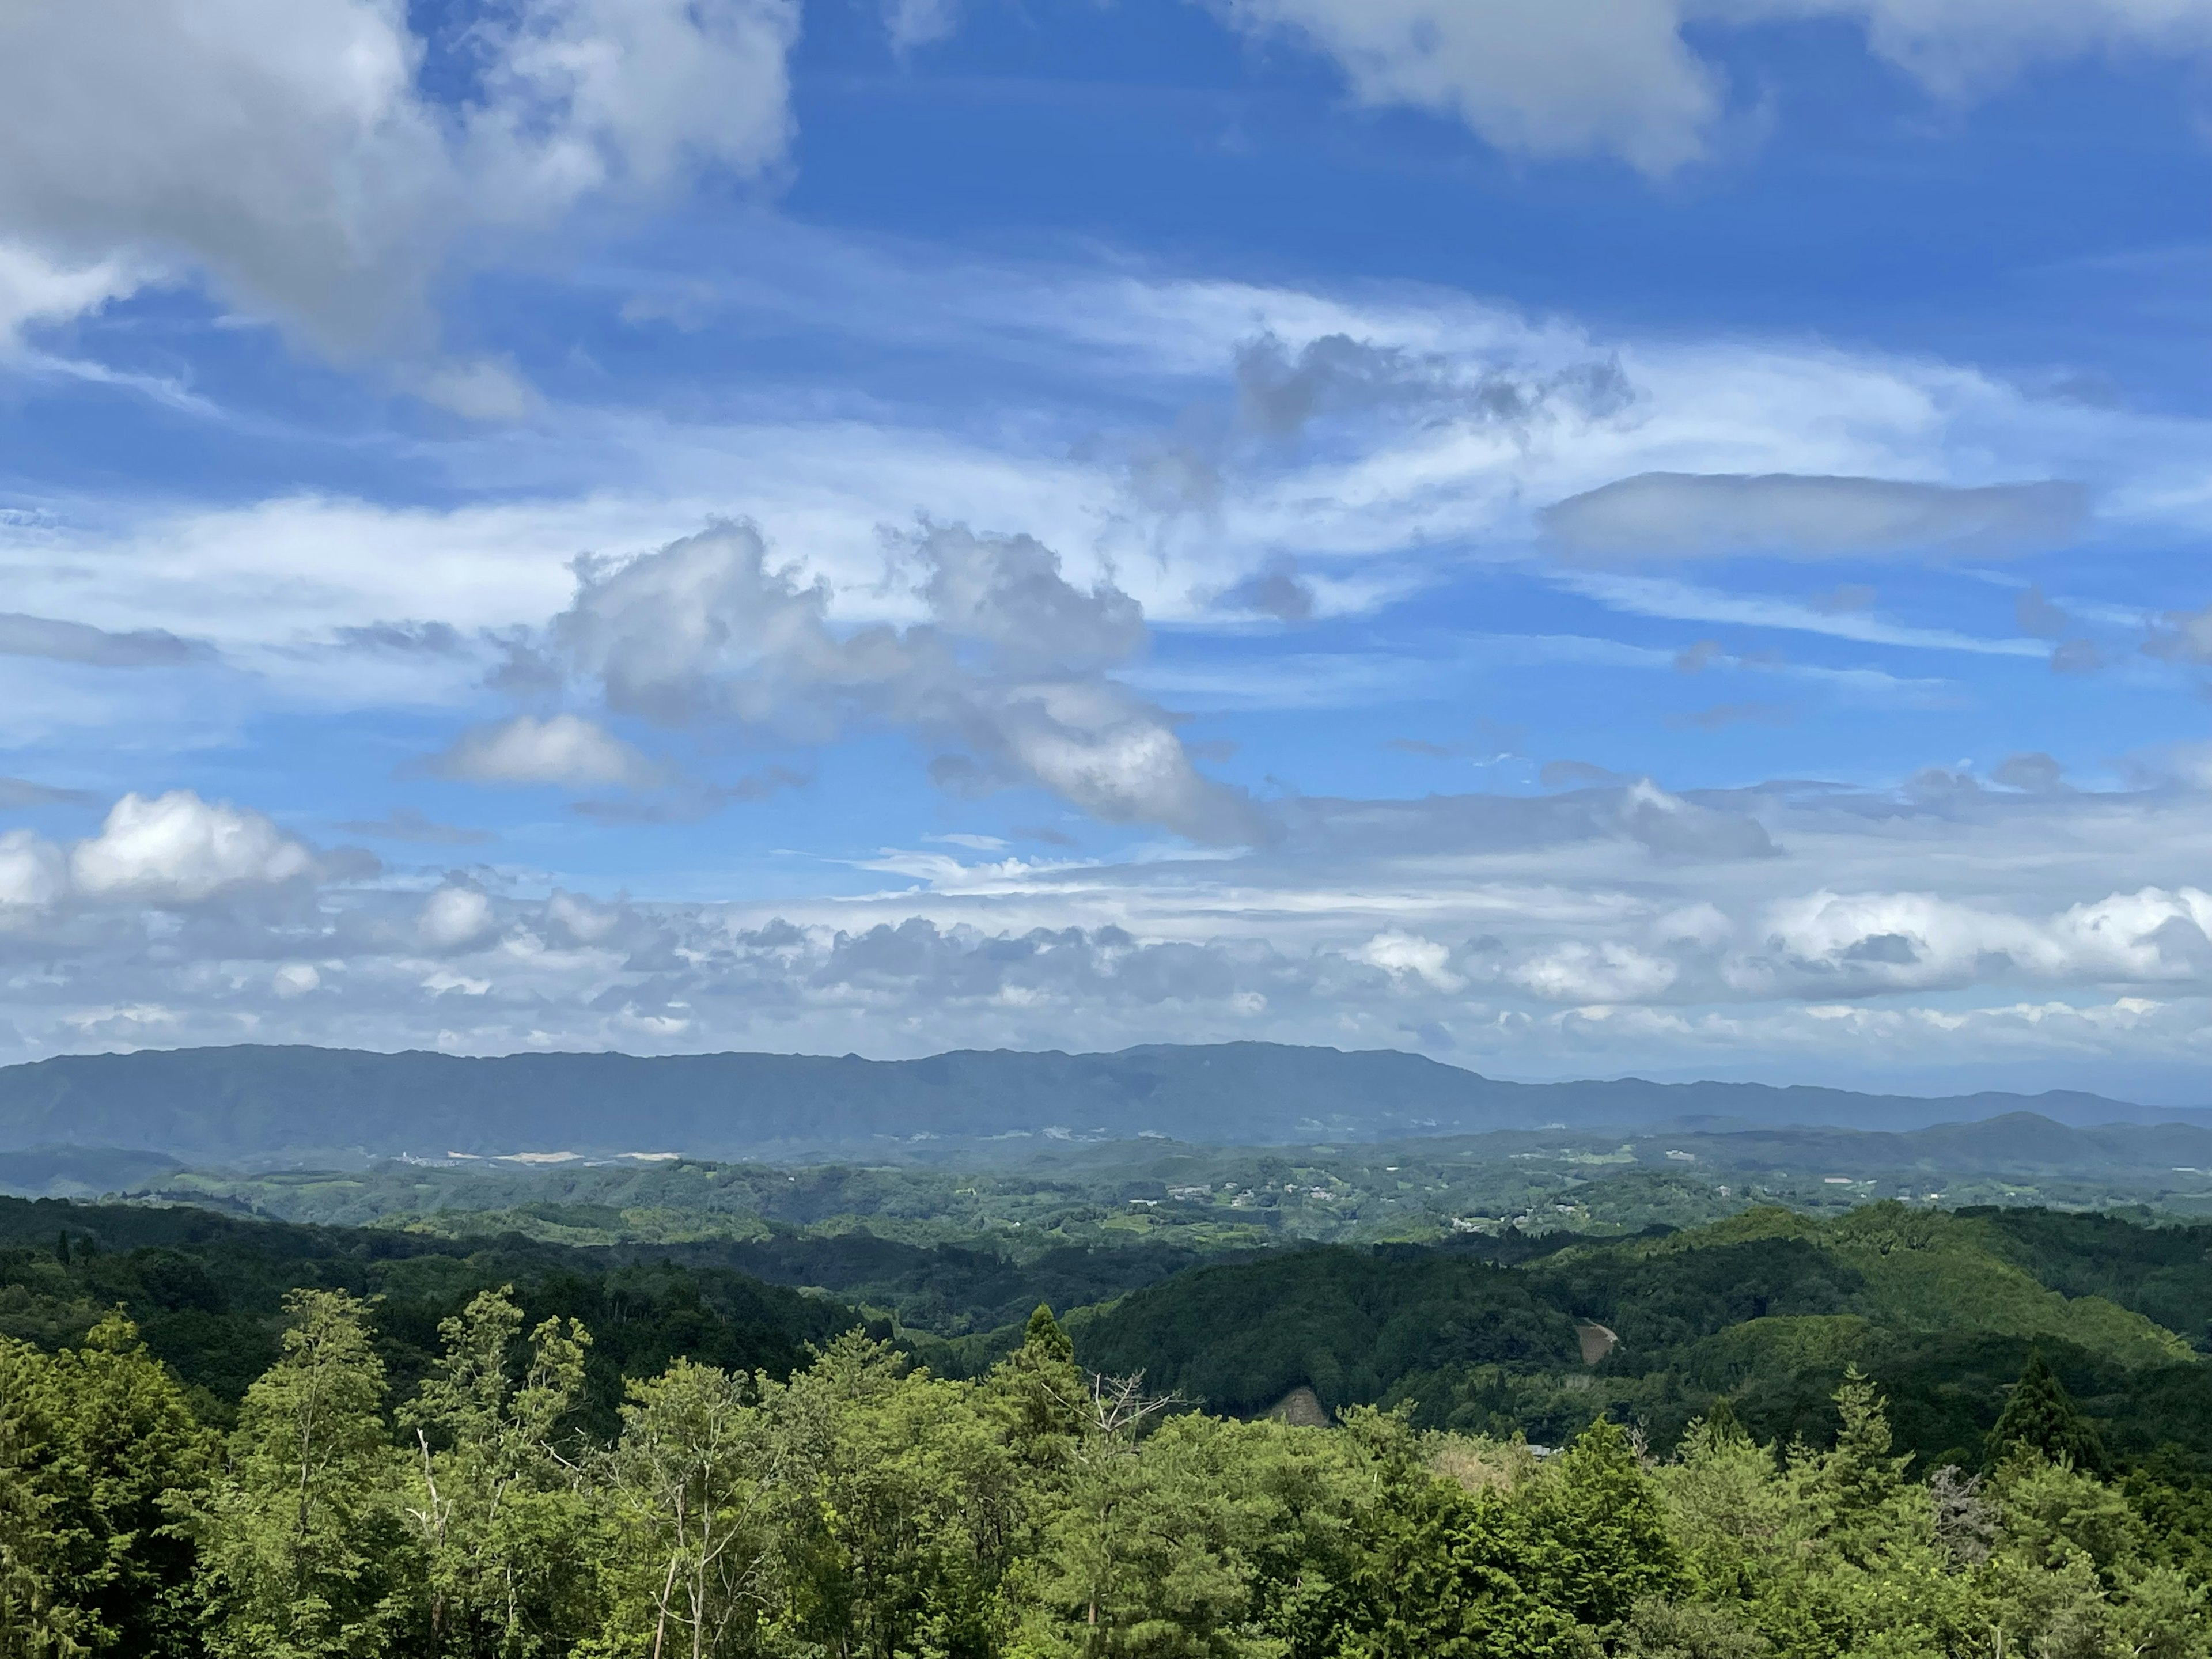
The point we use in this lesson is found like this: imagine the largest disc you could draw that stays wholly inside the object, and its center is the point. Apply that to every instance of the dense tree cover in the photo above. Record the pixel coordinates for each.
(1766, 1310)
(1346, 1322)
(167, 1261)
(862, 1508)
(205, 1292)
(2160, 1272)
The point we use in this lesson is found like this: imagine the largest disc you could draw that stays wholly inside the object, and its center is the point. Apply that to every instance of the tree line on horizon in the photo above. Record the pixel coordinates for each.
(863, 1508)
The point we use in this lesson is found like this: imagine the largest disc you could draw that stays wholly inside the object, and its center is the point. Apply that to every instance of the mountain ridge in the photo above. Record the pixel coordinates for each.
(257, 1101)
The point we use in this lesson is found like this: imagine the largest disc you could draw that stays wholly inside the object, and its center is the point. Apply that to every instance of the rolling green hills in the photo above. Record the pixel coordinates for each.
(1765, 1309)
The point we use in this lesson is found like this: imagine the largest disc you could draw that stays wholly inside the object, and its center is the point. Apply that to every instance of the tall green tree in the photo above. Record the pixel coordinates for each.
(921, 1502)
(124, 1440)
(1604, 1544)
(699, 1494)
(2040, 1416)
(1728, 1511)
(505, 1526)
(1154, 1550)
(36, 1621)
(1043, 1394)
(94, 1442)
(1442, 1570)
(305, 1552)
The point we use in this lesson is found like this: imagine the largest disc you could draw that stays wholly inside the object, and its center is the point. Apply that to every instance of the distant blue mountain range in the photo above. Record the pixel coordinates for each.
(257, 1104)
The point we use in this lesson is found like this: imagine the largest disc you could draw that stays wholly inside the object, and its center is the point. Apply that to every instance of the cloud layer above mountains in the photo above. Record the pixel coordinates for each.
(1533, 937)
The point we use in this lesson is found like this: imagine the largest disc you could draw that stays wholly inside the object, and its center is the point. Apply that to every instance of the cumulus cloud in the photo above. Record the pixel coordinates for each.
(564, 750)
(33, 872)
(1397, 951)
(1606, 972)
(1864, 944)
(1548, 936)
(295, 979)
(1561, 79)
(179, 849)
(1008, 677)
(1615, 76)
(1691, 515)
(456, 917)
(288, 152)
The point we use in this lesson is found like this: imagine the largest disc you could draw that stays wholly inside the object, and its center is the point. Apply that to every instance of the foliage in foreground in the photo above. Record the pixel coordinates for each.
(867, 1510)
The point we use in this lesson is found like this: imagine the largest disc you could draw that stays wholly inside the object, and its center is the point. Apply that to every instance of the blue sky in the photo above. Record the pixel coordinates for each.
(1631, 536)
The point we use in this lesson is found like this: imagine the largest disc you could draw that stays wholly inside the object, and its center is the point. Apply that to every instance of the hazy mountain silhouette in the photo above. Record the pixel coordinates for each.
(258, 1103)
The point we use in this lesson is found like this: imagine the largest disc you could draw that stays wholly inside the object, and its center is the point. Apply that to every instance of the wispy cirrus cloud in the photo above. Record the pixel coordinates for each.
(1679, 601)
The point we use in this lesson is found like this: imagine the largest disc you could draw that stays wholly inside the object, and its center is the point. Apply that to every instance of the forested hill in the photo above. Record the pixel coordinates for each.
(262, 1102)
(206, 1294)
(1766, 1311)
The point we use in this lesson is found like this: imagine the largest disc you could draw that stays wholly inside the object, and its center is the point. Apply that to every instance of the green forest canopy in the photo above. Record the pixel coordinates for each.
(1899, 1432)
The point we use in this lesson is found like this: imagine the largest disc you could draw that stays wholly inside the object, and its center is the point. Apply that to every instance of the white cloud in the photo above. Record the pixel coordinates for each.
(1005, 678)
(36, 289)
(561, 749)
(584, 93)
(1397, 951)
(33, 872)
(1679, 601)
(1568, 78)
(179, 849)
(295, 979)
(286, 149)
(1574, 77)
(1882, 941)
(455, 917)
(1959, 48)
(1546, 937)
(1358, 515)
(1607, 972)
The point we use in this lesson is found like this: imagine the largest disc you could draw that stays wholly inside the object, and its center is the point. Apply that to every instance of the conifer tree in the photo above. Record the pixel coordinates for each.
(1611, 1546)
(2040, 1416)
(36, 1621)
(1047, 1397)
(124, 1439)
